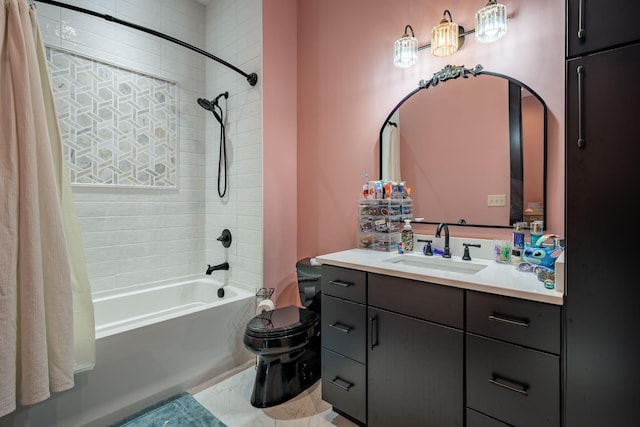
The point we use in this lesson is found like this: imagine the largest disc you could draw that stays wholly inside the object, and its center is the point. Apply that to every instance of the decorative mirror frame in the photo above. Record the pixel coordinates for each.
(451, 72)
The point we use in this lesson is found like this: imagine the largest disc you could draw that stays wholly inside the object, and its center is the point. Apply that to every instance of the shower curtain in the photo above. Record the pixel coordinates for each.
(46, 313)
(391, 153)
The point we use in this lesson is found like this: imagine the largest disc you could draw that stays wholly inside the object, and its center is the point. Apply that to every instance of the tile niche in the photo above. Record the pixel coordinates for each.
(118, 126)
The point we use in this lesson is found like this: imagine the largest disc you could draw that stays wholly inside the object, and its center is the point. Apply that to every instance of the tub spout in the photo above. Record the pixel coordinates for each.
(212, 268)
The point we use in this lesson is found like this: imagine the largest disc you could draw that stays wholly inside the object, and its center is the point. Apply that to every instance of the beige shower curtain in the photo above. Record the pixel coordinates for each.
(46, 312)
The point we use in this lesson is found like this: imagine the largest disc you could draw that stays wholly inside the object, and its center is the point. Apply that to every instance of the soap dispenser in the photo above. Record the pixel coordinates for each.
(407, 236)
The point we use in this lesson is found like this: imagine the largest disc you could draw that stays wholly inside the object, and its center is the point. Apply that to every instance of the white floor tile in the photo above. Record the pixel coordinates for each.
(229, 400)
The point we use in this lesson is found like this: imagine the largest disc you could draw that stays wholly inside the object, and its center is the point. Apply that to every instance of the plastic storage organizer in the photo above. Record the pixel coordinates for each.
(380, 222)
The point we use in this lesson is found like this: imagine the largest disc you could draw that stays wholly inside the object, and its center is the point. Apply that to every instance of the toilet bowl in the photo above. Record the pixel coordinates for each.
(286, 342)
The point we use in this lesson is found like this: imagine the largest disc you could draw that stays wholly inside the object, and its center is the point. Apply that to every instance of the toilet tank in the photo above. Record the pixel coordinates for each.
(309, 284)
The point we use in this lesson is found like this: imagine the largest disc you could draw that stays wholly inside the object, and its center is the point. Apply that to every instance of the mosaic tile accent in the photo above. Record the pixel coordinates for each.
(119, 127)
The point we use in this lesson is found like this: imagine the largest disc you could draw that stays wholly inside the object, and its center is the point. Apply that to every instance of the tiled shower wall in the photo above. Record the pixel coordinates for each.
(233, 31)
(135, 235)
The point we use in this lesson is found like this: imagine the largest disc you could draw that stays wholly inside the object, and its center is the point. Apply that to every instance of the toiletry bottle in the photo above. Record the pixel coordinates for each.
(536, 232)
(518, 236)
(407, 236)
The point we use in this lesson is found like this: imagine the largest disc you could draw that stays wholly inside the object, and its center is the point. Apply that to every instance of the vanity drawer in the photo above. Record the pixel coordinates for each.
(514, 384)
(476, 419)
(344, 327)
(344, 283)
(529, 323)
(427, 301)
(344, 384)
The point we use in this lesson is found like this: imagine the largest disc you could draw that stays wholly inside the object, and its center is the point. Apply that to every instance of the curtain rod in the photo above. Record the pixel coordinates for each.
(251, 78)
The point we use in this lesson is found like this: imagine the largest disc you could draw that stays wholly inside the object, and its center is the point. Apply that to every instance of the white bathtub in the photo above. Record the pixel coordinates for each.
(152, 341)
(137, 306)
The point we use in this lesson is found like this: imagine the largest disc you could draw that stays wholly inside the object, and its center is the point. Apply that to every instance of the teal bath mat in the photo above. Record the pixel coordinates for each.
(181, 410)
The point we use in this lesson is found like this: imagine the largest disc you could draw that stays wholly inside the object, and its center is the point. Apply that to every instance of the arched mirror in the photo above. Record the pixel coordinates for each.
(472, 146)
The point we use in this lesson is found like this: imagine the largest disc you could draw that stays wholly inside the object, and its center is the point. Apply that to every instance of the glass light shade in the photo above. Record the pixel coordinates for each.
(491, 22)
(405, 51)
(444, 38)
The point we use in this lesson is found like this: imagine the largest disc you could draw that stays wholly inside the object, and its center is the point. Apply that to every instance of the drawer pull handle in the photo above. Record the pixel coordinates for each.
(342, 328)
(581, 31)
(339, 382)
(509, 385)
(511, 321)
(341, 283)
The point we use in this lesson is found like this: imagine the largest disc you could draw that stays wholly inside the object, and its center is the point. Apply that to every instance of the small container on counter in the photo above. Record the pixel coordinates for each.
(516, 257)
(502, 250)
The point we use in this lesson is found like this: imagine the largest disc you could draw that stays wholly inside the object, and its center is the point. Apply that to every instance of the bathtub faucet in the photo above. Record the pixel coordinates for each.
(212, 268)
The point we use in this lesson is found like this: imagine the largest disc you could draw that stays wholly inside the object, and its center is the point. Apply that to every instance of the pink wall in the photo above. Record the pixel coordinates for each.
(347, 85)
(280, 148)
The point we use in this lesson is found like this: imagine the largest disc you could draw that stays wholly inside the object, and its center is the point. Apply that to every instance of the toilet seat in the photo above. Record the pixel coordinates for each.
(286, 328)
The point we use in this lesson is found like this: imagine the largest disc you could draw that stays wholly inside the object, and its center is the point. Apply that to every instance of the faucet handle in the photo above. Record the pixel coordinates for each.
(427, 249)
(466, 255)
(225, 238)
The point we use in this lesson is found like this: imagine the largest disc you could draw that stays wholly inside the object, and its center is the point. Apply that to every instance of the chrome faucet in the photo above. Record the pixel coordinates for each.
(447, 250)
(212, 268)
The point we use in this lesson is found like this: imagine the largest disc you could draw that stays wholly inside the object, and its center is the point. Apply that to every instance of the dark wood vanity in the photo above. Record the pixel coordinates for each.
(398, 351)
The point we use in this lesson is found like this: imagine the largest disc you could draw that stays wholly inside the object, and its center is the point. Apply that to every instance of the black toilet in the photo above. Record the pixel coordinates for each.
(287, 343)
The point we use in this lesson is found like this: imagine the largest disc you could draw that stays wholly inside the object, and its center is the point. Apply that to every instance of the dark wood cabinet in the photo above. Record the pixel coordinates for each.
(594, 25)
(415, 372)
(527, 323)
(514, 384)
(404, 352)
(343, 337)
(415, 359)
(512, 361)
(602, 174)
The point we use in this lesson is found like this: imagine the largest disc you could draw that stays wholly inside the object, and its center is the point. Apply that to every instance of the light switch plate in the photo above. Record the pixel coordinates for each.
(496, 200)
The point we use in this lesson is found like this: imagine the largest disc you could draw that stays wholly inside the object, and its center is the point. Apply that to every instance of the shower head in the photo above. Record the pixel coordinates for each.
(206, 104)
(209, 105)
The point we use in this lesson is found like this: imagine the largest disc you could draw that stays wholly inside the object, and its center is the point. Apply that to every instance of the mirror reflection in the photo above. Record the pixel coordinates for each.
(471, 144)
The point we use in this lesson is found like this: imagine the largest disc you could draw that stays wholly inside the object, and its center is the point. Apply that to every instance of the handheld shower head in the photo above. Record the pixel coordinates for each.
(210, 105)
(206, 104)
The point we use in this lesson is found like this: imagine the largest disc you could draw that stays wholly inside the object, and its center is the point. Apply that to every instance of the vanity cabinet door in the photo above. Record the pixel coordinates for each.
(529, 323)
(415, 372)
(344, 384)
(344, 283)
(602, 176)
(344, 327)
(511, 383)
(604, 24)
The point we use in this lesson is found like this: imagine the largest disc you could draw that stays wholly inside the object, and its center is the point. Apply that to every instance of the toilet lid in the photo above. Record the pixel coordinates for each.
(281, 321)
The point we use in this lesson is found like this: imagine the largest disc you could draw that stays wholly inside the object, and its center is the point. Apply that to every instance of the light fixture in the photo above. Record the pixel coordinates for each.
(491, 22)
(445, 39)
(405, 49)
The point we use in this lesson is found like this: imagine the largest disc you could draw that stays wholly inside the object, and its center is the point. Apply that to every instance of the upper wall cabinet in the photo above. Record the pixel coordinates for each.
(599, 24)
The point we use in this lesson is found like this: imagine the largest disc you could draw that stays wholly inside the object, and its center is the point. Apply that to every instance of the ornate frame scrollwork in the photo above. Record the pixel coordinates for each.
(450, 72)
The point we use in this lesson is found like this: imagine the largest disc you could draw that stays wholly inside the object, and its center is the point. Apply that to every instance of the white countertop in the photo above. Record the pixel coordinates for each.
(495, 278)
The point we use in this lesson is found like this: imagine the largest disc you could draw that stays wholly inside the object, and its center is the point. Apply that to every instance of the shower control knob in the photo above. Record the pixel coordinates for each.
(225, 238)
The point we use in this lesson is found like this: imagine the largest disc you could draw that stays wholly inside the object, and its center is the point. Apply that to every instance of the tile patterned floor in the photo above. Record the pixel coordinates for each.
(229, 399)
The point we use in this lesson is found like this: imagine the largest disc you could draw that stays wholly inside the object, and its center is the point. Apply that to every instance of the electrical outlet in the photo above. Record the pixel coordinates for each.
(496, 200)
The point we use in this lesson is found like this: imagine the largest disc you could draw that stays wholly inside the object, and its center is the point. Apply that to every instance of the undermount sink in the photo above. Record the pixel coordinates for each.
(436, 263)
